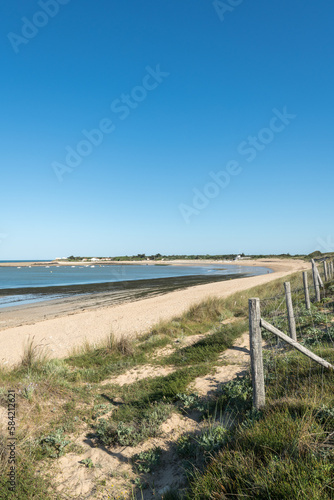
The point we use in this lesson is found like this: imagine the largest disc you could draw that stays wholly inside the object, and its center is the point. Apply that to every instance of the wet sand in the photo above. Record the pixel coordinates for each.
(61, 331)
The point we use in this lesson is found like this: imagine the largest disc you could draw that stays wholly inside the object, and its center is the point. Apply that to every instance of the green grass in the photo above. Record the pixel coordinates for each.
(29, 483)
(209, 348)
(161, 388)
(147, 404)
(132, 426)
(279, 454)
(239, 475)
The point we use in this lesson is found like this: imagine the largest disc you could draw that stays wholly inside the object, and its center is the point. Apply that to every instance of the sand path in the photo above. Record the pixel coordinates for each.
(63, 333)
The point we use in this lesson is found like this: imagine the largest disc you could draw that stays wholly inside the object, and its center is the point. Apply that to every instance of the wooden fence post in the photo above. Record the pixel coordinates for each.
(291, 315)
(321, 283)
(306, 291)
(316, 282)
(325, 271)
(255, 342)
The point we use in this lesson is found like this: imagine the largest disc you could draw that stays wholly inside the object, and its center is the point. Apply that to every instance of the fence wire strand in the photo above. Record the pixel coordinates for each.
(285, 369)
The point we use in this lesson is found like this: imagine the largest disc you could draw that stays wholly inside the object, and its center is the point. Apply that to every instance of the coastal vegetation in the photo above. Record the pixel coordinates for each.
(158, 257)
(285, 450)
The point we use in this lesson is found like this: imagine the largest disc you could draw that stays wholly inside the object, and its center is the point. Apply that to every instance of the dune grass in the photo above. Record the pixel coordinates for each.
(284, 451)
(266, 454)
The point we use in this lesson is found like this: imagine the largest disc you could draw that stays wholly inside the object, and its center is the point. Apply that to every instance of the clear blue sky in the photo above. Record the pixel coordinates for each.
(181, 89)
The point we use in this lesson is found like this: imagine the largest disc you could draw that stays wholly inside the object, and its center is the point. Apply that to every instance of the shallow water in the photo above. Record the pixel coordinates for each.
(26, 285)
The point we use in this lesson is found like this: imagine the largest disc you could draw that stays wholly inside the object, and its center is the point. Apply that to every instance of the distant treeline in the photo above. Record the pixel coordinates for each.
(158, 257)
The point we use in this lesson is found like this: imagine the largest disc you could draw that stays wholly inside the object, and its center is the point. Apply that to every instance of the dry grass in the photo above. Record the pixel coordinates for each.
(111, 344)
(123, 345)
(33, 354)
(208, 310)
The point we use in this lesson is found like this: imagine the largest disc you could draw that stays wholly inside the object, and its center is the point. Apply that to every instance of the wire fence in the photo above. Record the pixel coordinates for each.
(306, 315)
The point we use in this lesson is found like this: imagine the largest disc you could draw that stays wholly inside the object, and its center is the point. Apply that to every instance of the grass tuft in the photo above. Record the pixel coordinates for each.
(33, 354)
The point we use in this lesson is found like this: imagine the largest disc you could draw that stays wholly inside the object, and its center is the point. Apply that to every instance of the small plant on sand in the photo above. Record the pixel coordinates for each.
(53, 445)
(186, 447)
(101, 409)
(190, 402)
(146, 461)
(89, 464)
(28, 391)
(142, 485)
(106, 432)
(110, 433)
(237, 393)
(212, 438)
(131, 424)
(194, 447)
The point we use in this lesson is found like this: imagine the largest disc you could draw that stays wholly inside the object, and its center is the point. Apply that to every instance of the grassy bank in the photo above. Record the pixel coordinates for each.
(285, 451)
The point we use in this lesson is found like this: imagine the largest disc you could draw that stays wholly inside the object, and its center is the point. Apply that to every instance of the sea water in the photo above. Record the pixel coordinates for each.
(26, 277)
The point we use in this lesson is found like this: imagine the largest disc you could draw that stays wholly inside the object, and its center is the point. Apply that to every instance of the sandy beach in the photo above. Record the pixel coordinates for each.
(61, 333)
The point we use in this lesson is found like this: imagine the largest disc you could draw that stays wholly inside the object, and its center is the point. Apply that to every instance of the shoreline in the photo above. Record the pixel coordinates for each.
(60, 334)
(78, 298)
(176, 262)
(47, 293)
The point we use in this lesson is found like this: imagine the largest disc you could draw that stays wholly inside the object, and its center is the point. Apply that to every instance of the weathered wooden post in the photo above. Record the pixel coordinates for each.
(316, 282)
(325, 271)
(306, 291)
(255, 342)
(321, 283)
(291, 315)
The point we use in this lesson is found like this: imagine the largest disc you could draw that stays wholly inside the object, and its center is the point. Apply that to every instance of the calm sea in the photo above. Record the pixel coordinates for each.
(14, 280)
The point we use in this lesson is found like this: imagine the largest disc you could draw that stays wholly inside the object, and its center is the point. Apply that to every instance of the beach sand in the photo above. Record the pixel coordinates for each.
(60, 334)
